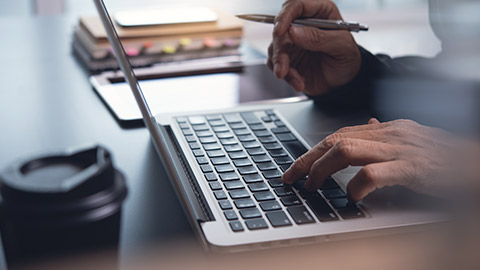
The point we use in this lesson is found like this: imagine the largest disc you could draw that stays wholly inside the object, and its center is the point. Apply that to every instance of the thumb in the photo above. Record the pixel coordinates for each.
(333, 43)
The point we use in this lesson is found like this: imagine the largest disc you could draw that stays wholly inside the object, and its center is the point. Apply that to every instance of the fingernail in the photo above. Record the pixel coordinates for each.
(276, 28)
(297, 85)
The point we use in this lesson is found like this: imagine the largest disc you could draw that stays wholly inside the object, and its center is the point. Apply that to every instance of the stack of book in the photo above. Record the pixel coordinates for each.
(152, 44)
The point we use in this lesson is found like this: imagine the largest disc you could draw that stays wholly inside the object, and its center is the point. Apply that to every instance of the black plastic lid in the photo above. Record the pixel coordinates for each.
(60, 185)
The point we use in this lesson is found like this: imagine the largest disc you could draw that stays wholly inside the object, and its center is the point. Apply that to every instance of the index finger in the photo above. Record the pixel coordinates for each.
(293, 9)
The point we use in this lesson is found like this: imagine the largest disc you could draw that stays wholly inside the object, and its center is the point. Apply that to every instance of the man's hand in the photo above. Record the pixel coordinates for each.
(400, 152)
(312, 60)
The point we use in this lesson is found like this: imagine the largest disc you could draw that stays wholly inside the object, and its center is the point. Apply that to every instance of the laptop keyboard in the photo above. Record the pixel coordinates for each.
(243, 156)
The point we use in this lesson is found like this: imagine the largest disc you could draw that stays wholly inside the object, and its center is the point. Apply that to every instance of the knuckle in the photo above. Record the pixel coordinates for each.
(300, 163)
(315, 36)
(331, 140)
(344, 147)
(369, 175)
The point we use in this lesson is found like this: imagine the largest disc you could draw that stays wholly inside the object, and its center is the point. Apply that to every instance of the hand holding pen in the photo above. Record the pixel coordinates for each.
(312, 60)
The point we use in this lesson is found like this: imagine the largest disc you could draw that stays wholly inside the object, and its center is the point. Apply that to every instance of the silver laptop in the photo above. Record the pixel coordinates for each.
(226, 167)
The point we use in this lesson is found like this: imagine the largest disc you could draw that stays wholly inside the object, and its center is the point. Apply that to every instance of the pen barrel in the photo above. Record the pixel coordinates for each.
(329, 24)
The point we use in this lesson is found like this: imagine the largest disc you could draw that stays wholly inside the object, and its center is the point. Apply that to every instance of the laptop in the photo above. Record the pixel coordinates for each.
(226, 168)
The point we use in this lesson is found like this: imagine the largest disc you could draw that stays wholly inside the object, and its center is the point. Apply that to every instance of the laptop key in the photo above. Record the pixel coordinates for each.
(236, 226)
(183, 125)
(233, 148)
(187, 132)
(205, 140)
(278, 123)
(211, 146)
(295, 148)
(278, 219)
(242, 131)
(261, 158)
(220, 161)
(232, 118)
(181, 119)
(225, 204)
(200, 127)
(250, 213)
(206, 168)
(290, 201)
(220, 129)
(242, 162)
(255, 151)
(342, 203)
(321, 209)
(244, 203)
(278, 153)
(247, 170)
(210, 177)
(215, 123)
(266, 166)
(196, 120)
(329, 184)
(250, 118)
(280, 130)
(262, 133)
(212, 117)
(272, 146)
(263, 196)
(252, 178)
(270, 206)
(334, 193)
(198, 153)
(220, 195)
(228, 141)
(285, 137)
(229, 176)
(230, 215)
(224, 135)
(300, 215)
(190, 138)
(257, 127)
(237, 155)
(215, 153)
(215, 185)
(205, 133)
(230, 185)
(272, 174)
(283, 160)
(266, 119)
(267, 139)
(300, 184)
(202, 160)
(350, 213)
(284, 191)
(255, 187)
(256, 224)
(284, 167)
(246, 138)
(237, 126)
(239, 194)
(224, 168)
(275, 183)
(252, 144)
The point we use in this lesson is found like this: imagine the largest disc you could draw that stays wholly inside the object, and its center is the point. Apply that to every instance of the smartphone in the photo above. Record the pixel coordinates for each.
(167, 16)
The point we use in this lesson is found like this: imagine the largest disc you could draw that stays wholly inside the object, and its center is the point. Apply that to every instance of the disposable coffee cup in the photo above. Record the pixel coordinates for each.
(60, 203)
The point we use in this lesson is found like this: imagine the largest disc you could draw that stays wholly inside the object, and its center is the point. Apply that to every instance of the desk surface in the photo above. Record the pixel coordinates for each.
(47, 103)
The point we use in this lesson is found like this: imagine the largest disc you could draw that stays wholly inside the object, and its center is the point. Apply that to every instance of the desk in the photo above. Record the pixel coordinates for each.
(46, 102)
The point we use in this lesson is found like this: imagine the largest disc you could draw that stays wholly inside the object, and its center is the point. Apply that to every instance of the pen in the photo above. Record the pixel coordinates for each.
(317, 23)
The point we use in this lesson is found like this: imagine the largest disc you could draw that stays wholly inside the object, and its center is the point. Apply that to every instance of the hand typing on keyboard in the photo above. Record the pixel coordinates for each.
(400, 152)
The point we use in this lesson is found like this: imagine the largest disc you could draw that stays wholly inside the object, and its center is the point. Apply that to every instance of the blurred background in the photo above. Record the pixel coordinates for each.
(398, 27)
